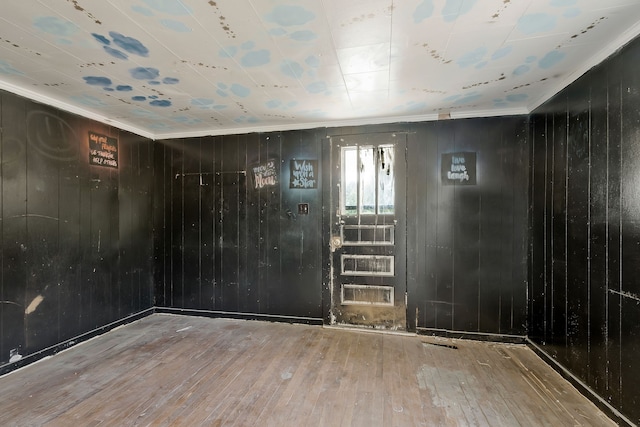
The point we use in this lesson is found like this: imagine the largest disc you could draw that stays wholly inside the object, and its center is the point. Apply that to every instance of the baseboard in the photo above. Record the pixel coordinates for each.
(583, 388)
(50, 351)
(478, 336)
(240, 316)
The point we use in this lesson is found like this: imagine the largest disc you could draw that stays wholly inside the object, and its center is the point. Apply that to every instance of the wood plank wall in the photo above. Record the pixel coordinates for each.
(467, 245)
(73, 237)
(584, 271)
(221, 245)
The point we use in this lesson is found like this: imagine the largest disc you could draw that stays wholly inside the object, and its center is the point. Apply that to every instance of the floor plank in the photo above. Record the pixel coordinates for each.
(167, 370)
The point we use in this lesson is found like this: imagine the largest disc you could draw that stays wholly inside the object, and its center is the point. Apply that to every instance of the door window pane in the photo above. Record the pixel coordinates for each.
(386, 181)
(368, 180)
(350, 181)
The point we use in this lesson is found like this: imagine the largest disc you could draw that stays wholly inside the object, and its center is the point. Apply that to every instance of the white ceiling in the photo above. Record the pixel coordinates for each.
(177, 68)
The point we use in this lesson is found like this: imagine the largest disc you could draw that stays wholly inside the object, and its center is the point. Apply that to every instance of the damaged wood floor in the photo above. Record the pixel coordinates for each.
(174, 370)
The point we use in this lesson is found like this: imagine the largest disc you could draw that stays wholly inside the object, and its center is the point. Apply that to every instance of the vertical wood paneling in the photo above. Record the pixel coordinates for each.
(66, 226)
(595, 286)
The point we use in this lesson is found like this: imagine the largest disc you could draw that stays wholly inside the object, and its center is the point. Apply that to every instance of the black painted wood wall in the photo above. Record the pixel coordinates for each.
(585, 229)
(467, 244)
(224, 246)
(75, 240)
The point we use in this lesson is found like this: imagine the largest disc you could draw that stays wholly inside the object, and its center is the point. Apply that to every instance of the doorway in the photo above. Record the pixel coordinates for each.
(368, 231)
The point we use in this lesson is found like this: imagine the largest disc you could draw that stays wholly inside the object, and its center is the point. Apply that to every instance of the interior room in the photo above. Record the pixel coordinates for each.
(443, 191)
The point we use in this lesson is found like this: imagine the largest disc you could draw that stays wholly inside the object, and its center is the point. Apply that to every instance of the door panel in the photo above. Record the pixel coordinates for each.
(368, 211)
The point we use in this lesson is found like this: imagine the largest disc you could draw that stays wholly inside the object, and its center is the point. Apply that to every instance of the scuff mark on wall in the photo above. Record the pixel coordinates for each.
(34, 304)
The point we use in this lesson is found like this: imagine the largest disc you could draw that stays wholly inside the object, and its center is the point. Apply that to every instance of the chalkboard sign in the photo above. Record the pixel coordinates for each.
(265, 174)
(303, 174)
(459, 168)
(103, 150)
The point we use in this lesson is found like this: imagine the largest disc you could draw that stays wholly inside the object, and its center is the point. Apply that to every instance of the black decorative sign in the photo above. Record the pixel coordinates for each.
(459, 168)
(265, 174)
(103, 150)
(303, 174)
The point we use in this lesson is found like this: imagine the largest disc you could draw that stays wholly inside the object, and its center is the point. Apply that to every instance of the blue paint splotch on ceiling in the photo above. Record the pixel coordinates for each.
(139, 98)
(246, 119)
(304, 36)
(88, 100)
(207, 104)
(423, 11)
(8, 70)
(501, 53)
(517, 97)
(551, 59)
(256, 58)
(536, 23)
(144, 73)
(472, 57)
(170, 81)
(124, 88)
(177, 26)
(55, 26)
(97, 80)
(292, 69)
(287, 15)
(228, 52)
(170, 7)
(317, 87)
(453, 9)
(102, 39)
(160, 103)
(129, 44)
(521, 70)
(463, 99)
(240, 91)
(115, 53)
(313, 61)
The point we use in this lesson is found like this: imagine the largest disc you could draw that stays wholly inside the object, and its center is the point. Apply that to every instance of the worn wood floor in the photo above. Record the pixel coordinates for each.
(174, 370)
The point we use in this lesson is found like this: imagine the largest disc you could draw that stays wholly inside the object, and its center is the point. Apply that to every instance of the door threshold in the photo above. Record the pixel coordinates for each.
(355, 328)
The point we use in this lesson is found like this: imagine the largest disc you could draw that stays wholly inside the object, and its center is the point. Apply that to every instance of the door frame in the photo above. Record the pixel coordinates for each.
(330, 179)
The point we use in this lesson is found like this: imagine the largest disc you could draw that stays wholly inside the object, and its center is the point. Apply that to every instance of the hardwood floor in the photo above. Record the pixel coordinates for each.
(188, 371)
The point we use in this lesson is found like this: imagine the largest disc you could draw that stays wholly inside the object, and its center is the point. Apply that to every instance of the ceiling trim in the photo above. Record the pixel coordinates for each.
(340, 123)
(591, 62)
(52, 102)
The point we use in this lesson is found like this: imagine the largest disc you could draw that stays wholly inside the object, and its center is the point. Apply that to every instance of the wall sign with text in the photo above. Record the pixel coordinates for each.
(459, 168)
(265, 174)
(304, 174)
(103, 150)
